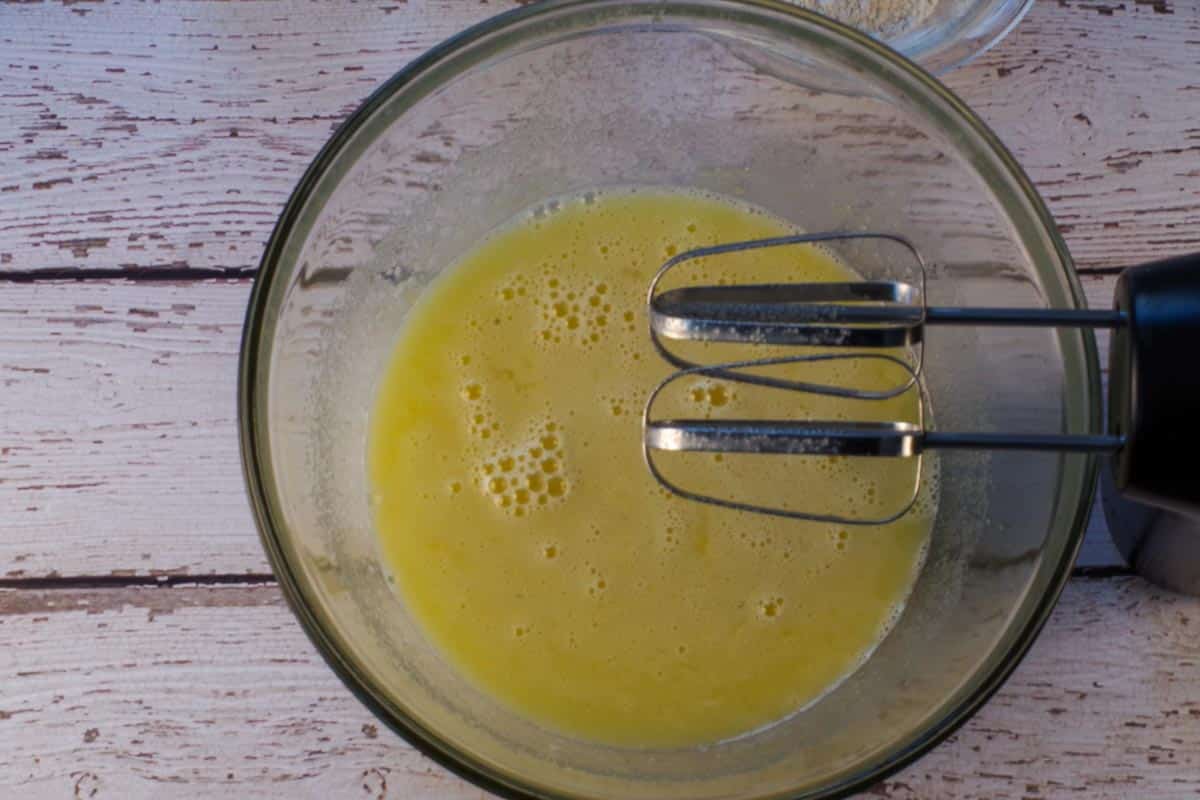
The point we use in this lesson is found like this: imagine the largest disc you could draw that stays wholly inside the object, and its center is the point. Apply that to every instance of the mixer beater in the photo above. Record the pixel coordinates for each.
(1154, 376)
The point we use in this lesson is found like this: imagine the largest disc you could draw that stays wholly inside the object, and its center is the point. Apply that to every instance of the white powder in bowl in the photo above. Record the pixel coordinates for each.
(881, 18)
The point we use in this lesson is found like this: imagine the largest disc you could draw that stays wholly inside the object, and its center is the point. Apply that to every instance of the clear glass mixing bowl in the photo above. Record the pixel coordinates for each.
(756, 100)
(957, 31)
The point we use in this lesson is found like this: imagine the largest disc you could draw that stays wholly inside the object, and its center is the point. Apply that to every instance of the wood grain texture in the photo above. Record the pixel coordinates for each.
(232, 698)
(119, 448)
(118, 445)
(160, 140)
(167, 136)
(1098, 102)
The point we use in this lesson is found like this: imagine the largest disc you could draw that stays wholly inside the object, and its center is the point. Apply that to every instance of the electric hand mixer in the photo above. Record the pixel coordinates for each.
(1154, 376)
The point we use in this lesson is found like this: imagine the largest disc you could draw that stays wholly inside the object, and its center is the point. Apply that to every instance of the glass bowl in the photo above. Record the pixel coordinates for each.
(810, 120)
(956, 31)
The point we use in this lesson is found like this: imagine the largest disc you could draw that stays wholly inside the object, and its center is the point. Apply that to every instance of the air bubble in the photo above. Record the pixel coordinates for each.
(771, 608)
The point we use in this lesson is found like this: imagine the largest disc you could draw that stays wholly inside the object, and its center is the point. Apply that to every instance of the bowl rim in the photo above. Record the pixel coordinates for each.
(253, 436)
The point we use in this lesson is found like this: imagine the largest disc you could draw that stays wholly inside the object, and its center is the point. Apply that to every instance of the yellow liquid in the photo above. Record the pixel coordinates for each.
(530, 542)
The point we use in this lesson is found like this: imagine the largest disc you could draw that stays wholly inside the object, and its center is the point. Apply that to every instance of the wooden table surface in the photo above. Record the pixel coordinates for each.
(145, 151)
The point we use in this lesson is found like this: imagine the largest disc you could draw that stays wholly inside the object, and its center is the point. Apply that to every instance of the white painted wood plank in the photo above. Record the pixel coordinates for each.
(118, 445)
(1098, 103)
(169, 135)
(118, 448)
(185, 693)
(207, 692)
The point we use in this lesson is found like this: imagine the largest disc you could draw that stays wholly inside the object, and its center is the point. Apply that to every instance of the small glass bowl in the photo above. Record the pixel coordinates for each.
(955, 32)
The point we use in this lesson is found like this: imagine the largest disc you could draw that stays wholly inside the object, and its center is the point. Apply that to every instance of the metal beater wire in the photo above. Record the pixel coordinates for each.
(802, 314)
(737, 505)
(729, 370)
